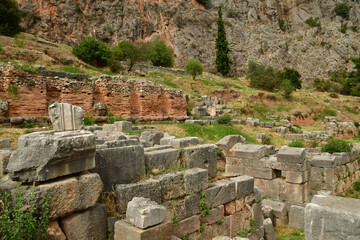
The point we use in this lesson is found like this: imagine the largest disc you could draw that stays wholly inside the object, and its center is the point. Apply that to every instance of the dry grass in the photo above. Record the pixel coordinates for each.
(109, 200)
(12, 133)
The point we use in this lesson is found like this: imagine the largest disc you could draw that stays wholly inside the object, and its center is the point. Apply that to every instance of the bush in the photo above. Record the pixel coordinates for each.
(284, 25)
(343, 28)
(10, 18)
(88, 119)
(161, 55)
(19, 41)
(342, 10)
(313, 22)
(114, 65)
(335, 145)
(0, 48)
(262, 76)
(287, 87)
(15, 223)
(93, 52)
(357, 186)
(296, 144)
(194, 67)
(226, 119)
(293, 75)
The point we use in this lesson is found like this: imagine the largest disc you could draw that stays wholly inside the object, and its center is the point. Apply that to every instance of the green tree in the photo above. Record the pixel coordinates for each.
(287, 87)
(293, 75)
(352, 84)
(10, 18)
(160, 54)
(194, 67)
(342, 10)
(263, 77)
(93, 51)
(129, 52)
(222, 48)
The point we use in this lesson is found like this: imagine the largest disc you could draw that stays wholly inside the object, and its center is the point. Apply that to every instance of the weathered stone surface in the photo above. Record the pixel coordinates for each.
(222, 192)
(250, 151)
(151, 138)
(172, 185)
(5, 143)
(323, 160)
(186, 226)
(278, 208)
(4, 159)
(144, 213)
(296, 177)
(66, 195)
(229, 141)
(4, 107)
(108, 128)
(214, 215)
(54, 231)
(269, 230)
(100, 109)
(122, 126)
(244, 186)
(202, 156)
(126, 192)
(119, 165)
(163, 159)
(65, 117)
(117, 143)
(89, 224)
(330, 217)
(126, 231)
(291, 155)
(183, 207)
(297, 217)
(43, 156)
(166, 140)
(184, 142)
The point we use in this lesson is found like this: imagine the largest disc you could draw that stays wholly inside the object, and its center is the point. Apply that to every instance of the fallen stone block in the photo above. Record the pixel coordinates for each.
(122, 126)
(161, 160)
(222, 192)
(291, 155)
(89, 224)
(269, 230)
(118, 143)
(229, 141)
(144, 213)
(195, 180)
(42, 156)
(5, 143)
(166, 140)
(184, 142)
(119, 165)
(244, 186)
(279, 211)
(66, 117)
(202, 156)
(151, 138)
(297, 217)
(126, 192)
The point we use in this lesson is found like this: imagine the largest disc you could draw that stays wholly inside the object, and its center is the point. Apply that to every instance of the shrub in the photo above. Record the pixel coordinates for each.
(194, 67)
(15, 223)
(93, 52)
(88, 119)
(161, 55)
(293, 75)
(29, 123)
(284, 25)
(343, 27)
(10, 18)
(226, 119)
(19, 41)
(357, 186)
(114, 65)
(287, 87)
(296, 144)
(129, 52)
(262, 76)
(334, 95)
(335, 145)
(313, 22)
(342, 10)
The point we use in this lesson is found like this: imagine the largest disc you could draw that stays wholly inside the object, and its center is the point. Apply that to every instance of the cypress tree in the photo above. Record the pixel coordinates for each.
(222, 48)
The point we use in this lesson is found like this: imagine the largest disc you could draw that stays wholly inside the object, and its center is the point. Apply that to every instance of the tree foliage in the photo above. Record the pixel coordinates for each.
(160, 54)
(10, 18)
(352, 83)
(263, 77)
(194, 67)
(293, 75)
(93, 51)
(222, 48)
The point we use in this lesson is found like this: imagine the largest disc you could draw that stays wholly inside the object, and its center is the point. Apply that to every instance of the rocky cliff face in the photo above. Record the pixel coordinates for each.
(252, 29)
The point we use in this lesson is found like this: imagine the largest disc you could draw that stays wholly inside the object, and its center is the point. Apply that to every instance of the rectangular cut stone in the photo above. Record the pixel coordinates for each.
(108, 128)
(186, 226)
(296, 167)
(269, 230)
(66, 117)
(235, 169)
(184, 207)
(42, 156)
(296, 177)
(122, 126)
(89, 224)
(66, 195)
(297, 217)
(278, 208)
(229, 141)
(166, 140)
(163, 159)
(291, 155)
(118, 143)
(214, 215)
(323, 161)
(244, 185)
(126, 192)
(195, 180)
(202, 156)
(222, 192)
(172, 185)
(126, 231)
(264, 173)
(184, 142)
(330, 217)
(295, 193)
(250, 151)
(120, 165)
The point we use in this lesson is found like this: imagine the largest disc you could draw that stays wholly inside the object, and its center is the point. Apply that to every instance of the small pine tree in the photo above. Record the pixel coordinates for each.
(194, 67)
(222, 48)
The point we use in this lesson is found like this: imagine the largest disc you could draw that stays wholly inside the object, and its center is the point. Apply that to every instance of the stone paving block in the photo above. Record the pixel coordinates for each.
(122, 126)
(291, 155)
(195, 180)
(186, 226)
(201, 156)
(120, 165)
(144, 213)
(5, 143)
(269, 230)
(297, 217)
(184, 142)
(161, 160)
(229, 141)
(126, 192)
(126, 231)
(66, 117)
(89, 224)
(172, 185)
(222, 192)
(244, 185)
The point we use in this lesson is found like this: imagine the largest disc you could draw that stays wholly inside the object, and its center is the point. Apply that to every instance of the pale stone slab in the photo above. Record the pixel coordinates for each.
(66, 117)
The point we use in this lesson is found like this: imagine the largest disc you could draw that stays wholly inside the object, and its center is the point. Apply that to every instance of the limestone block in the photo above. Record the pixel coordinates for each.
(184, 142)
(126, 231)
(291, 155)
(4, 159)
(244, 185)
(110, 128)
(119, 165)
(278, 208)
(54, 231)
(264, 173)
(214, 215)
(202, 156)
(269, 230)
(195, 180)
(323, 161)
(296, 177)
(42, 156)
(200, 112)
(144, 213)
(66, 117)
(222, 192)
(166, 140)
(257, 214)
(4, 107)
(126, 192)
(172, 185)
(186, 226)
(163, 159)
(184, 207)
(297, 217)
(295, 193)
(5, 143)
(89, 224)
(152, 137)
(250, 151)
(117, 143)
(122, 126)
(330, 217)
(229, 141)
(66, 195)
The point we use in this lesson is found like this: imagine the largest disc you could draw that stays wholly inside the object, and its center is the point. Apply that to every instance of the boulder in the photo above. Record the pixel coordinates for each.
(66, 117)
(151, 138)
(4, 107)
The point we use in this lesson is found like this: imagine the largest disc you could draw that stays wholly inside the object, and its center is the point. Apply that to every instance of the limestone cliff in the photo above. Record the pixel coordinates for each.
(252, 29)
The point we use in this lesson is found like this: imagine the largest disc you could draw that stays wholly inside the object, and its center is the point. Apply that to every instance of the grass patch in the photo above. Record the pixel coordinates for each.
(71, 69)
(353, 192)
(284, 233)
(170, 84)
(350, 110)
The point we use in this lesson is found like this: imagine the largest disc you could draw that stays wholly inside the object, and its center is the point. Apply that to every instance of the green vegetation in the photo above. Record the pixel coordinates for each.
(342, 10)
(284, 25)
(285, 233)
(13, 91)
(222, 47)
(71, 69)
(204, 209)
(335, 145)
(186, 237)
(92, 51)
(287, 88)
(296, 144)
(175, 219)
(88, 119)
(350, 110)
(352, 84)
(292, 75)
(129, 52)
(343, 27)
(313, 22)
(19, 41)
(160, 54)
(194, 67)
(111, 119)
(15, 223)
(10, 18)
(225, 119)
